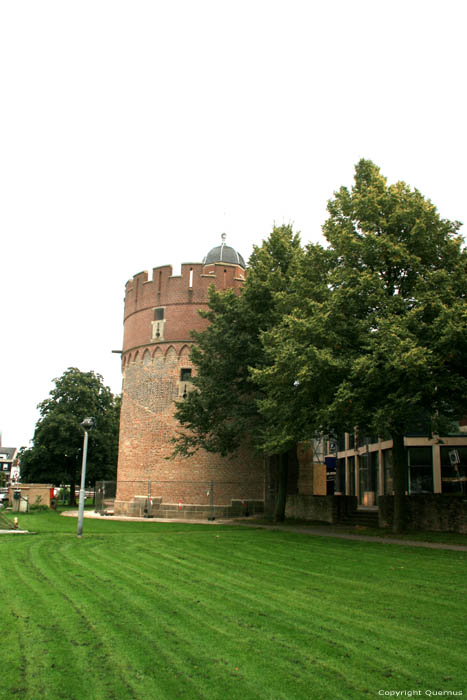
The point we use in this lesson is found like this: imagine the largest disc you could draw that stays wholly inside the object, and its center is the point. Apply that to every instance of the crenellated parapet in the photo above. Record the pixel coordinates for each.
(188, 287)
(164, 309)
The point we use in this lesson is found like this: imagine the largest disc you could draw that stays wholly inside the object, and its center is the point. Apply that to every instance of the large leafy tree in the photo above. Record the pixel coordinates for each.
(56, 453)
(380, 342)
(223, 410)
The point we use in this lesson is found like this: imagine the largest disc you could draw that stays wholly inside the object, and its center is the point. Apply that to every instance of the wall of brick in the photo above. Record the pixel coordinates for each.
(152, 382)
(441, 512)
(180, 296)
(38, 494)
(328, 509)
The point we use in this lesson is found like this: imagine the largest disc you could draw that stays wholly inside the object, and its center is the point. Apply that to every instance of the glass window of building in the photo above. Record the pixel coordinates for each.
(454, 469)
(420, 469)
(368, 478)
(387, 465)
(351, 464)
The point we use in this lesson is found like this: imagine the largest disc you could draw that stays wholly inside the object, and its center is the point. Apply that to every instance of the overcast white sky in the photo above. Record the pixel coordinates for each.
(133, 133)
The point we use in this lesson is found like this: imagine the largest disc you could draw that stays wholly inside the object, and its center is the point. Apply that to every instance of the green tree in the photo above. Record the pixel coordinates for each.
(223, 410)
(381, 345)
(56, 454)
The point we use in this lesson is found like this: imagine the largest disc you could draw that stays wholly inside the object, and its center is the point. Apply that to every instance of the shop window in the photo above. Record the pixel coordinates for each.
(420, 469)
(351, 465)
(368, 478)
(387, 466)
(340, 475)
(375, 473)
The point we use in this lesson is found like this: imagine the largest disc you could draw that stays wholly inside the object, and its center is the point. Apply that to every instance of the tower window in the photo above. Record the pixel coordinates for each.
(185, 374)
(158, 324)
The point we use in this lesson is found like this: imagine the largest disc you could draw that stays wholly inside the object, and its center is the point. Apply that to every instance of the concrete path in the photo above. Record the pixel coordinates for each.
(325, 531)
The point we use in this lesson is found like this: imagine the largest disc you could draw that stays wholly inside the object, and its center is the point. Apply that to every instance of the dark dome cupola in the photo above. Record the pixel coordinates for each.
(224, 254)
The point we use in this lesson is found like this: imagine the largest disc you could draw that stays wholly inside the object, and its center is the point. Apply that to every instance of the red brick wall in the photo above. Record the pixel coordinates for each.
(151, 383)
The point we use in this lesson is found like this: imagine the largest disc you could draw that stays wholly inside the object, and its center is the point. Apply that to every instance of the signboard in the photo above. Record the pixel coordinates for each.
(14, 476)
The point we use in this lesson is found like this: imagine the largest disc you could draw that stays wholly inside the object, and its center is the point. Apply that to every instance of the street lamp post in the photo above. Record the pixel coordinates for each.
(87, 425)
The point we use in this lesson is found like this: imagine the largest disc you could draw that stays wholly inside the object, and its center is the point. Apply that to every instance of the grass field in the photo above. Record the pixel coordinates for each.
(167, 610)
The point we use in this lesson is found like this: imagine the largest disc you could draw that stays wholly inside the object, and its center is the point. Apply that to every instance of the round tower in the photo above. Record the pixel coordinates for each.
(159, 314)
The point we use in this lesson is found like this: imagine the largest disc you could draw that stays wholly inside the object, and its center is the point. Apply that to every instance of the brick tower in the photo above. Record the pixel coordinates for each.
(159, 315)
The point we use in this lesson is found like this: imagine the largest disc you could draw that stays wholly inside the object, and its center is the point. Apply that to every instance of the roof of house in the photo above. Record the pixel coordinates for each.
(7, 454)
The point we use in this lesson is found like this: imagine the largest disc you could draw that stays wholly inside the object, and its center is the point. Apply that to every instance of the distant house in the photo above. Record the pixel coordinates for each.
(8, 461)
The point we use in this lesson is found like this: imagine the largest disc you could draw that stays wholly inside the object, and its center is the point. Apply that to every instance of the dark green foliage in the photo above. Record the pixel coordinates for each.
(223, 411)
(56, 454)
(375, 333)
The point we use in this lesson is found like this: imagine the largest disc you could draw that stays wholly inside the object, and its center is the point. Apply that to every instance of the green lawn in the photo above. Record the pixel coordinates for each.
(166, 610)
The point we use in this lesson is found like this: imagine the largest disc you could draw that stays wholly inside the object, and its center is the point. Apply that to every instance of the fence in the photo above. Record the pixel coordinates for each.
(180, 499)
(105, 496)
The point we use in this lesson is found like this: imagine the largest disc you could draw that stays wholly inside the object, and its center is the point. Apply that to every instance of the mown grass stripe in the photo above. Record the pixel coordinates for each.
(127, 617)
(298, 617)
(130, 578)
(237, 589)
(120, 644)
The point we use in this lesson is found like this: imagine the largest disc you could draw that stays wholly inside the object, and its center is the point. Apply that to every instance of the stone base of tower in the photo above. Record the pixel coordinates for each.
(144, 507)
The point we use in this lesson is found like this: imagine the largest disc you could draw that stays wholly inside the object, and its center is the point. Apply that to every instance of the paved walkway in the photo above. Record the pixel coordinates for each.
(325, 531)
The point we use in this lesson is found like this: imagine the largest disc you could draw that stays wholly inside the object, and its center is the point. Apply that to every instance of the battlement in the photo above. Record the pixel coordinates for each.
(191, 286)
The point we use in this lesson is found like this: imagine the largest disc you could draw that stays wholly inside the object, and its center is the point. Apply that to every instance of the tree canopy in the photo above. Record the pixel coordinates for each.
(375, 333)
(56, 453)
(223, 409)
(366, 334)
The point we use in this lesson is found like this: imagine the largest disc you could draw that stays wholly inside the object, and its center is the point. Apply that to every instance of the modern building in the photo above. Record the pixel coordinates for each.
(435, 465)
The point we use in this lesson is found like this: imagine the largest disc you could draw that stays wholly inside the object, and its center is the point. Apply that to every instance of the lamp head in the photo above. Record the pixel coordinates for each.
(88, 423)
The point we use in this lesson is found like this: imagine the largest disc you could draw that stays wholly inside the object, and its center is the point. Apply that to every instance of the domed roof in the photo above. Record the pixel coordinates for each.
(225, 254)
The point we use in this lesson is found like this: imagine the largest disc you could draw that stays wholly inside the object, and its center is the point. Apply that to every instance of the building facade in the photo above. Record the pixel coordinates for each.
(435, 465)
(159, 315)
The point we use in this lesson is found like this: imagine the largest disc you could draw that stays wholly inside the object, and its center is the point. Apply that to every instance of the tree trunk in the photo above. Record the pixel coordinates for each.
(270, 464)
(281, 497)
(399, 467)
